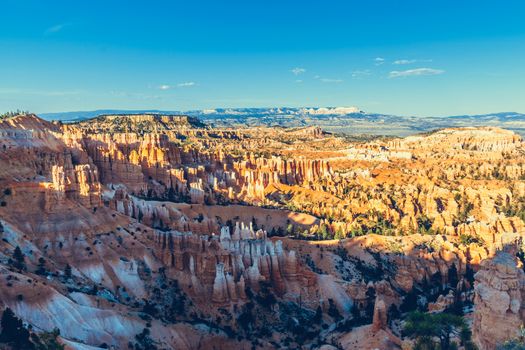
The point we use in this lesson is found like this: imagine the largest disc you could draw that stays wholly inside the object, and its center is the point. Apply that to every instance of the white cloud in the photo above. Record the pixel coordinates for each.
(409, 61)
(379, 61)
(298, 70)
(404, 61)
(328, 80)
(56, 28)
(298, 81)
(360, 73)
(186, 84)
(415, 72)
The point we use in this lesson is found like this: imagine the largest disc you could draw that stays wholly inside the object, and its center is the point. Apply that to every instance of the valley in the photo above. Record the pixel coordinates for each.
(161, 231)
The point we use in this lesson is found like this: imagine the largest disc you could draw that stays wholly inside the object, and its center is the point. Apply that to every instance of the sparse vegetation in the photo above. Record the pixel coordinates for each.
(11, 114)
(517, 343)
(18, 260)
(467, 239)
(18, 337)
(435, 331)
(464, 209)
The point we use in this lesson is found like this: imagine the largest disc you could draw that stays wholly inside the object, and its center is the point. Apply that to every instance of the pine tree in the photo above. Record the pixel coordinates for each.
(47, 340)
(339, 234)
(67, 271)
(323, 231)
(18, 257)
(318, 315)
(14, 332)
(41, 269)
(333, 311)
(409, 301)
(453, 276)
(443, 326)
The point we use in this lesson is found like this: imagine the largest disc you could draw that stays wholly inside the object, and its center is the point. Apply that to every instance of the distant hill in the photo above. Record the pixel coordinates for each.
(348, 120)
(139, 123)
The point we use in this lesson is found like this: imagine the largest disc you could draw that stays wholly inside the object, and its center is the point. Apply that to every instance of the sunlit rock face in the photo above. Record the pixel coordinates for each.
(227, 234)
(243, 259)
(486, 139)
(499, 305)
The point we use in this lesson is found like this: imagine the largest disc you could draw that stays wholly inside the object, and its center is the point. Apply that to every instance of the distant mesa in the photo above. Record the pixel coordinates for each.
(331, 110)
(141, 123)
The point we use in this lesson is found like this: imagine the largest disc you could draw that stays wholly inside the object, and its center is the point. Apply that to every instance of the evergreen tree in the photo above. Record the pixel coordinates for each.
(18, 257)
(370, 303)
(41, 269)
(144, 341)
(67, 271)
(409, 301)
(318, 315)
(469, 275)
(425, 327)
(333, 311)
(393, 314)
(14, 332)
(339, 234)
(321, 232)
(47, 340)
(453, 276)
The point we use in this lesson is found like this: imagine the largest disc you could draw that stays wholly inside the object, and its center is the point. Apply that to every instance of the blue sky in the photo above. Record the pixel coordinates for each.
(419, 57)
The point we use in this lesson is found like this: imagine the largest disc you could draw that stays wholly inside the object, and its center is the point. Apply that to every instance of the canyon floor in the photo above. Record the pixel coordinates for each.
(157, 231)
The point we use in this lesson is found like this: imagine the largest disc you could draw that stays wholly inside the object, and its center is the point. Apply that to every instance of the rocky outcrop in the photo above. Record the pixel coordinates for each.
(139, 123)
(79, 183)
(245, 258)
(220, 287)
(485, 139)
(442, 303)
(380, 319)
(499, 304)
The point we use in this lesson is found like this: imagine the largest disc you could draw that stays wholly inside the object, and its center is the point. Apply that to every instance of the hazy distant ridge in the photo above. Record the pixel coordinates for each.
(338, 119)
